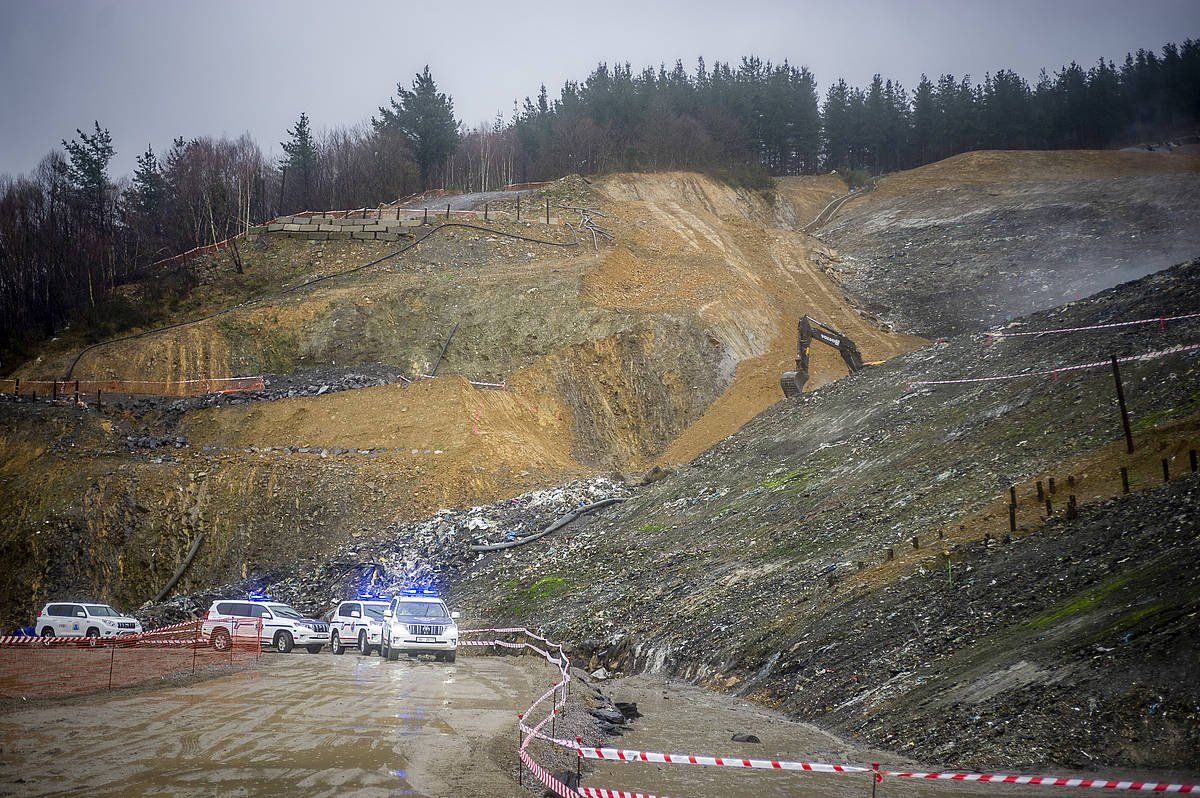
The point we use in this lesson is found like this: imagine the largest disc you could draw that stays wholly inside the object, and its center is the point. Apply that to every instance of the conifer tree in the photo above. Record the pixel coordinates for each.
(301, 158)
(424, 117)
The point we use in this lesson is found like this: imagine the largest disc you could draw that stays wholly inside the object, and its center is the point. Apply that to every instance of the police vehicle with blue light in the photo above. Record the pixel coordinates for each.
(283, 627)
(418, 622)
(357, 623)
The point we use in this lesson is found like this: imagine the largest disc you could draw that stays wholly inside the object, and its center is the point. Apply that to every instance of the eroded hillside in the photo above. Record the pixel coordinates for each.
(647, 350)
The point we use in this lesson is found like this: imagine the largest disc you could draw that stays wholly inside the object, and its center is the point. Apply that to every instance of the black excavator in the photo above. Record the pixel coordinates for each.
(809, 328)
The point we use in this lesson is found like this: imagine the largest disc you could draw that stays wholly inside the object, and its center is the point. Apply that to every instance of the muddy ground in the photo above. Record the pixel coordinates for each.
(362, 726)
(322, 724)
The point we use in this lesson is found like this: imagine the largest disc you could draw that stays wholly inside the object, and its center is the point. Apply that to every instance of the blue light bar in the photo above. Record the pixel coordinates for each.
(258, 596)
(366, 595)
(419, 591)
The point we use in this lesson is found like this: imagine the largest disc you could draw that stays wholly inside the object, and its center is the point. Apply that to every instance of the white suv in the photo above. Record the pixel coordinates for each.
(417, 622)
(84, 619)
(282, 627)
(357, 623)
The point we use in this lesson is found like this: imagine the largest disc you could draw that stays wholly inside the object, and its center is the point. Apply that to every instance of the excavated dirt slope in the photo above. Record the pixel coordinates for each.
(649, 350)
(982, 237)
(1070, 645)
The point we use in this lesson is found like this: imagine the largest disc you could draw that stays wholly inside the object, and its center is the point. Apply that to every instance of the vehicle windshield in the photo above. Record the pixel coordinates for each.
(374, 611)
(101, 611)
(284, 611)
(425, 609)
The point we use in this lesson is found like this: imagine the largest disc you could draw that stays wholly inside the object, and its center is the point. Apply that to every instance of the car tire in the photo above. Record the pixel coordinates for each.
(221, 640)
(283, 642)
(393, 655)
(315, 648)
(48, 631)
(335, 644)
(92, 632)
(364, 647)
(449, 657)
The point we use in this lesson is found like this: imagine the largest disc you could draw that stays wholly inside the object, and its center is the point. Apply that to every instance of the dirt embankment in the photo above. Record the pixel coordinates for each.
(977, 239)
(721, 573)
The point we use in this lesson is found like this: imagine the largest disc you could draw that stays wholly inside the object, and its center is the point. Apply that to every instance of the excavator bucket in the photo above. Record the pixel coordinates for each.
(791, 386)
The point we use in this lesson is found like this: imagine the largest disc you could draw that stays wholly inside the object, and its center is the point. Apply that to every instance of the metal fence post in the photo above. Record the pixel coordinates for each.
(520, 742)
(112, 662)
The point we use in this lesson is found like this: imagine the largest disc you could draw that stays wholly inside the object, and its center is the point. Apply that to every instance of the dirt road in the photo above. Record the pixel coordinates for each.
(320, 725)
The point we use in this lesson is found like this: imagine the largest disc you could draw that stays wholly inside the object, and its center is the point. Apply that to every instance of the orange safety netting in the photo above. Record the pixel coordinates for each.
(40, 667)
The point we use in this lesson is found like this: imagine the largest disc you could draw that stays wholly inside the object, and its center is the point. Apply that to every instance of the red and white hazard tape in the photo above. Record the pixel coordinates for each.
(1161, 321)
(600, 792)
(626, 755)
(1055, 372)
(1049, 781)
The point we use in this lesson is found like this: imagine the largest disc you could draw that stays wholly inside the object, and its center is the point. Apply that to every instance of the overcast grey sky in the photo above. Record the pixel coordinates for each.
(152, 70)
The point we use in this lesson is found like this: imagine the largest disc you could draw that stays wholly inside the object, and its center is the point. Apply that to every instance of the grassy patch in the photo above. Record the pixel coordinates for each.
(782, 480)
(652, 527)
(1077, 604)
(520, 600)
(1151, 420)
(546, 587)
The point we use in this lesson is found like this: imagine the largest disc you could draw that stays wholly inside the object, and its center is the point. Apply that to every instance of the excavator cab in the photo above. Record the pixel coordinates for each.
(807, 329)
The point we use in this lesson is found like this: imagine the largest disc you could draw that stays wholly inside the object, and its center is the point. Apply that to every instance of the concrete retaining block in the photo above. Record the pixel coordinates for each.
(387, 236)
(292, 228)
(364, 236)
(326, 227)
(339, 236)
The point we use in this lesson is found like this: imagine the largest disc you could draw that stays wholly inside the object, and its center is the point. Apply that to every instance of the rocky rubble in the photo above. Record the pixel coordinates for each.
(310, 382)
(427, 552)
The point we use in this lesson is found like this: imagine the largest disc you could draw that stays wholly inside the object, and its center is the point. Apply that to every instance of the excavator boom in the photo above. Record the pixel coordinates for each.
(807, 329)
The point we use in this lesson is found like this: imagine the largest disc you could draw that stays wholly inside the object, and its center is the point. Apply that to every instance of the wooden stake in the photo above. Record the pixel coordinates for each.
(1121, 404)
(1124, 479)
